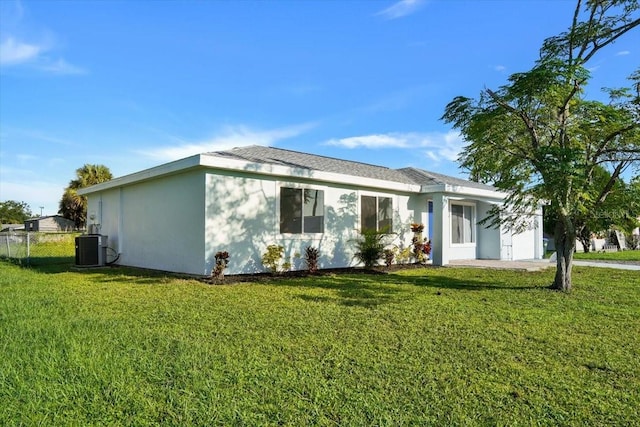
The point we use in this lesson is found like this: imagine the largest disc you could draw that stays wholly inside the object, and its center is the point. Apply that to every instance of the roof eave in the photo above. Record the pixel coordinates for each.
(221, 163)
(463, 190)
(288, 172)
(145, 175)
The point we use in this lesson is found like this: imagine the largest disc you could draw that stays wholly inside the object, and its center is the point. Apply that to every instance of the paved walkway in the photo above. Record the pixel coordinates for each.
(533, 265)
(607, 265)
(527, 265)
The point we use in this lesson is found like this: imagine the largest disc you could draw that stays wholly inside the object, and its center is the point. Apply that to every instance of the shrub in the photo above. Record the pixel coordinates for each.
(404, 255)
(421, 246)
(370, 248)
(417, 227)
(271, 259)
(311, 256)
(222, 259)
(633, 242)
(389, 256)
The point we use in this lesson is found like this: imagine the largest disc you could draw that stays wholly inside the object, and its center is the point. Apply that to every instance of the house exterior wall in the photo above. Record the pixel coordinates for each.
(156, 224)
(177, 222)
(104, 207)
(528, 243)
(243, 218)
(524, 245)
(489, 242)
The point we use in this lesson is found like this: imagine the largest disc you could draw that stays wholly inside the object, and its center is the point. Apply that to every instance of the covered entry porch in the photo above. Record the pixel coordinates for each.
(454, 229)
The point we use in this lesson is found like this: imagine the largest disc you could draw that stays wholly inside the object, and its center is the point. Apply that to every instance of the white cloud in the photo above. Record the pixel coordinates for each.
(13, 52)
(401, 9)
(21, 45)
(374, 141)
(500, 68)
(623, 52)
(229, 137)
(62, 67)
(437, 146)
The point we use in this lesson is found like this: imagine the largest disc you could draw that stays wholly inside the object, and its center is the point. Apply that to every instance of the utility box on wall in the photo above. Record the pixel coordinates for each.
(91, 250)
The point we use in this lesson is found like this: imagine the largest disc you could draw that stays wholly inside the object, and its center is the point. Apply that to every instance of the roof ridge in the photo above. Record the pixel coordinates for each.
(307, 154)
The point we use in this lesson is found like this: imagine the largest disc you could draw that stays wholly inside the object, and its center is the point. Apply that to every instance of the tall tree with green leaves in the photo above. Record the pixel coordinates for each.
(14, 212)
(620, 210)
(72, 205)
(541, 141)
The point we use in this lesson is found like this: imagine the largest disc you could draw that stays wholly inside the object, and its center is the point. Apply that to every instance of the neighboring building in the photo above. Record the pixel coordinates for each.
(5, 228)
(245, 199)
(53, 223)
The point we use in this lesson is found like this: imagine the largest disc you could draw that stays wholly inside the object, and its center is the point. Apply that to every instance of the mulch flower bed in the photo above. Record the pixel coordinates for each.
(267, 277)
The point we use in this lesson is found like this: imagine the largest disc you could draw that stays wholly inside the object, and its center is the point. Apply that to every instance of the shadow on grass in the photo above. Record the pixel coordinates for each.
(470, 279)
(371, 290)
(105, 274)
(349, 287)
(48, 265)
(358, 290)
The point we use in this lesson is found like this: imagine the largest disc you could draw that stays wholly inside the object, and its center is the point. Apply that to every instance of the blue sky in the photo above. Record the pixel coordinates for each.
(134, 84)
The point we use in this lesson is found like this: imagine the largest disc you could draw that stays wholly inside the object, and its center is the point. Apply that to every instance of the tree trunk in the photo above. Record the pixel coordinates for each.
(585, 238)
(565, 238)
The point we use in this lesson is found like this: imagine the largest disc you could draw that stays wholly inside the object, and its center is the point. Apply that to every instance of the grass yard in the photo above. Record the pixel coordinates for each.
(609, 256)
(439, 346)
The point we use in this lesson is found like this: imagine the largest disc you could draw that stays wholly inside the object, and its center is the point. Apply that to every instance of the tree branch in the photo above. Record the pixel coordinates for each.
(574, 24)
(618, 32)
(602, 149)
(609, 186)
(535, 142)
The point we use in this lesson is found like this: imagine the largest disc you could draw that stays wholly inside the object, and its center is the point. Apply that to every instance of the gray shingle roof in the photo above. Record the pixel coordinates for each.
(296, 159)
(424, 177)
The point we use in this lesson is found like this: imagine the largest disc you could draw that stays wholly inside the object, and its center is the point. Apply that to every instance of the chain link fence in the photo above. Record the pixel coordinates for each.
(38, 248)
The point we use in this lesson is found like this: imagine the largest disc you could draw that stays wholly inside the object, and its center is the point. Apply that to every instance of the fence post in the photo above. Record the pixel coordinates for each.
(8, 247)
(28, 248)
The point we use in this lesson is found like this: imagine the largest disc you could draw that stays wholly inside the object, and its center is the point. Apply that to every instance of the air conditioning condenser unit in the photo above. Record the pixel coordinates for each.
(91, 250)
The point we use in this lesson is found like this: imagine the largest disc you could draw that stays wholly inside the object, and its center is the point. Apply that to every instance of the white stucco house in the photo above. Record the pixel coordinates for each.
(176, 216)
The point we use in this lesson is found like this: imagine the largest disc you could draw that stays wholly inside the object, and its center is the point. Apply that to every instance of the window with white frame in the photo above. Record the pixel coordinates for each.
(462, 223)
(301, 210)
(376, 213)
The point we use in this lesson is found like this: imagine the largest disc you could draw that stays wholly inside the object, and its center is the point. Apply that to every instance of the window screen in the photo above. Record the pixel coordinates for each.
(461, 224)
(301, 210)
(376, 213)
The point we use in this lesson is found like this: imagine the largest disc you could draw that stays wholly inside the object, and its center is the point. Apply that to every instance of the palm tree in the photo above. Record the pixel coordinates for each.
(74, 206)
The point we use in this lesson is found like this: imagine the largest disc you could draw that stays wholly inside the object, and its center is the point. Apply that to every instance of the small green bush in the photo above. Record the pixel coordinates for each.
(389, 256)
(370, 248)
(403, 256)
(271, 259)
(311, 256)
(633, 242)
(222, 260)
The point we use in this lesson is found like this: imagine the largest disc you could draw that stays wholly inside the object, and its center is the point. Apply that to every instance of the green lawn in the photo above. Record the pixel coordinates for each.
(439, 346)
(609, 256)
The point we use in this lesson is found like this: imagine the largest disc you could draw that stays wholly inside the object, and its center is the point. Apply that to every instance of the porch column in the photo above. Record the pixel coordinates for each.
(538, 234)
(441, 239)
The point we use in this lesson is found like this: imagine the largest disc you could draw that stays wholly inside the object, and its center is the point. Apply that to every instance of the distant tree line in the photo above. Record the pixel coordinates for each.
(14, 212)
(72, 206)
